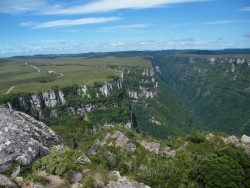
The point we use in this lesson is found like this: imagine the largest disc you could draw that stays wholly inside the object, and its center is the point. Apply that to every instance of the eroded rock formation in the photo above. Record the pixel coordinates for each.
(23, 139)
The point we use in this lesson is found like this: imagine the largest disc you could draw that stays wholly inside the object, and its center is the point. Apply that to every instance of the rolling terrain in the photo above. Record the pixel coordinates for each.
(34, 74)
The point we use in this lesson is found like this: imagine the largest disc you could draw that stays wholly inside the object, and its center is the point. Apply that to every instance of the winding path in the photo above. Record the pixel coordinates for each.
(38, 70)
(60, 74)
(10, 90)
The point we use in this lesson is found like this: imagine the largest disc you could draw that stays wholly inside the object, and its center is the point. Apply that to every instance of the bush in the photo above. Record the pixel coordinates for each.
(196, 137)
(222, 170)
(60, 162)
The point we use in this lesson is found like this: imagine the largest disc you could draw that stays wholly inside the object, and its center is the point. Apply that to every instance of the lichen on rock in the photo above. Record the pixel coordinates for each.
(23, 139)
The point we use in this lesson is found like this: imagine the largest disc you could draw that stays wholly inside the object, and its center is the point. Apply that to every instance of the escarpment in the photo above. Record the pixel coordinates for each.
(133, 84)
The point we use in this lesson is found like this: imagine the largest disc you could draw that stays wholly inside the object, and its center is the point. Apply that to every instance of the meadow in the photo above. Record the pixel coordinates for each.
(34, 75)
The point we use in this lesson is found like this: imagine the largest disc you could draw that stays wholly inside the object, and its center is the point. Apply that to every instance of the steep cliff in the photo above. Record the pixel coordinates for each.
(93, 102)
(215, 89)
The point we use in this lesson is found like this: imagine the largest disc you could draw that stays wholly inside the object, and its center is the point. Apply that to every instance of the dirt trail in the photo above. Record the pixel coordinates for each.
(10, 90)
(60, 74)
(38, 70)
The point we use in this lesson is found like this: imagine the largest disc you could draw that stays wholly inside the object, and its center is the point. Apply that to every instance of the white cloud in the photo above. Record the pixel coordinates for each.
(60, 47)
(178, 25)
(126, 27)
(26, 24)
(21, 6)
(113, 5)
(83, 21)
(72, 30)
(246, 9)
(219, 22)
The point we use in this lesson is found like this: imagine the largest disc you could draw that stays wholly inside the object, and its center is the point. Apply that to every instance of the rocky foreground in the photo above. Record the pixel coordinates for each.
(23, 139)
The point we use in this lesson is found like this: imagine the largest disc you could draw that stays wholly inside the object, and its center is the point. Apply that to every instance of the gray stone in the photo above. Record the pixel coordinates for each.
(245, 139)
(62, 97)
(76, 176)
(120, 141)
(23, 139)
(151, 146)
(6, 182)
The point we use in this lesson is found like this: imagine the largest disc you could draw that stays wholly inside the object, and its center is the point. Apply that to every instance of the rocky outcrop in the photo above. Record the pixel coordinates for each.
(243, 142)
(23, 139)
(151, 146)
(49, 99)
(123, 182)
(105, 89)
(118, 139)
(149, 71)
(146, 85)
(155, 147)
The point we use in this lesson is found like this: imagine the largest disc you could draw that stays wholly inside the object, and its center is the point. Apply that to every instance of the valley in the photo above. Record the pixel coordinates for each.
(158, 118)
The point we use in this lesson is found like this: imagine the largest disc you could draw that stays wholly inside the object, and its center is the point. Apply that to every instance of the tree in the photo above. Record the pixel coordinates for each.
(222, 169)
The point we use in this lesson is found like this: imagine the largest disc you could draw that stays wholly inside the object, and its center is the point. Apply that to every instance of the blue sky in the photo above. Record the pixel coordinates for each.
(58, 26)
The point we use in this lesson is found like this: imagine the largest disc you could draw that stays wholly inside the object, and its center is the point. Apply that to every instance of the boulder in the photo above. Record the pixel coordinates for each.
(6, 182)
(23, 139)
(75, 176)
(245, 139)
(151, 146)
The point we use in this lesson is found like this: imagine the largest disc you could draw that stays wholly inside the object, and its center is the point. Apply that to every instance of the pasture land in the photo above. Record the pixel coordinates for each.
(34, 75)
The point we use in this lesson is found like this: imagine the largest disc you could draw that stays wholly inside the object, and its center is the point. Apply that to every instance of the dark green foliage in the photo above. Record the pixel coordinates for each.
(219, 100)
(201, 163)
(223, 169)
(59, 162)
(174, 116)
(72, 129)
(196, 137)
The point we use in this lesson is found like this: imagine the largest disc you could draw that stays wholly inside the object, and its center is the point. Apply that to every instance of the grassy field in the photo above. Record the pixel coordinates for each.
(21, 75)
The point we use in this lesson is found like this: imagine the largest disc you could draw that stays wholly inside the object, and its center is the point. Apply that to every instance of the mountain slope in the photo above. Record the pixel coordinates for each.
(216, 92)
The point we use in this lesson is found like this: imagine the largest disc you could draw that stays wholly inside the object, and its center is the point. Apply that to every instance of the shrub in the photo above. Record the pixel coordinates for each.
(60, 162)
(222, 169)
(196, 137)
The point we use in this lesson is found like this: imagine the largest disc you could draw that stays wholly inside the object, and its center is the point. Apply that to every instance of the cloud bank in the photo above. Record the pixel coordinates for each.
(83, 21)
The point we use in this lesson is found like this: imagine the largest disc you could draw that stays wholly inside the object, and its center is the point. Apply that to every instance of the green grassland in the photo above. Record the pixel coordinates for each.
(69, 71)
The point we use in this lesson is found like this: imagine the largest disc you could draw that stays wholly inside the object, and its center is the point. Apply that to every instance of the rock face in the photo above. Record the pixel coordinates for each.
(6, 182)
(23, 139)
(138, 83)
